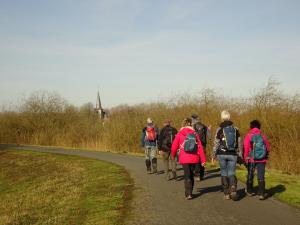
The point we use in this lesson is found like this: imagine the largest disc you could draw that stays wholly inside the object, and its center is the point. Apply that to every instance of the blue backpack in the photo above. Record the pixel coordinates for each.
(190, 143)
(259, 150)
(229, 138)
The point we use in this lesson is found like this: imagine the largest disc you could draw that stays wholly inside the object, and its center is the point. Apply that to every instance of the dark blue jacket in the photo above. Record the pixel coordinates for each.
(144, 140)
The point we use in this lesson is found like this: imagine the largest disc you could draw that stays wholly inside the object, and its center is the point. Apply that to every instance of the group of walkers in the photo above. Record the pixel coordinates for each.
(188, 147)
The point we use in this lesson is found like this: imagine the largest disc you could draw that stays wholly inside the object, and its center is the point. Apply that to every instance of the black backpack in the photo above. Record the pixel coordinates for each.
(167, 135)
(202, 132)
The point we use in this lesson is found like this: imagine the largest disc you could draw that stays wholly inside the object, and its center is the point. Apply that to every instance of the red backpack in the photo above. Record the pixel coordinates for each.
(150, 134)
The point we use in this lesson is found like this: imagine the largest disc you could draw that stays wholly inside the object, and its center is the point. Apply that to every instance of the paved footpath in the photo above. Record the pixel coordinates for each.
(160, 202)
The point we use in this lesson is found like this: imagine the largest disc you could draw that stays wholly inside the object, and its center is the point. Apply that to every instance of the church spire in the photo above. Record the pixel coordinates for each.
(98, 102)
(98, 109)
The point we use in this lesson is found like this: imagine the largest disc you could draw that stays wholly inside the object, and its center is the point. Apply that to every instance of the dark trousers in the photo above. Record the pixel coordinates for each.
(199, 170)
(188, 170)
(260, 171)
(260, 177)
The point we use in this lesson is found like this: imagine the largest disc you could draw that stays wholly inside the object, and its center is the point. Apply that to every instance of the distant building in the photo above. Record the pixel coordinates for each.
(98, 109)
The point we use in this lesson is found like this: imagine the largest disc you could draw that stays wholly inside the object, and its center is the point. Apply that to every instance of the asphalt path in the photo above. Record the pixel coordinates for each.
(160, 202)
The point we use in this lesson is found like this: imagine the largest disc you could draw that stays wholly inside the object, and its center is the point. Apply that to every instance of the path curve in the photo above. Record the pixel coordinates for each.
(160, 202)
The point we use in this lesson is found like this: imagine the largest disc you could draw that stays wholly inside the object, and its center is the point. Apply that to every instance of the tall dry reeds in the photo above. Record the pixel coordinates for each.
(47, 119)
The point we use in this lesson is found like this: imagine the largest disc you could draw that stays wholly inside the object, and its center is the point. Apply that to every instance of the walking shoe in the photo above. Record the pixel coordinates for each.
(248, 193)
(167, 177)
(155, 171)
(174, 176)
(197, 178)
(149, 171)
(189, 197)
(262, 197)
(227, 197)
(234, 196)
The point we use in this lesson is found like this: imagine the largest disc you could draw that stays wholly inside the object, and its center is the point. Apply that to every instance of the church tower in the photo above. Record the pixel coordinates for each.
(98, 109)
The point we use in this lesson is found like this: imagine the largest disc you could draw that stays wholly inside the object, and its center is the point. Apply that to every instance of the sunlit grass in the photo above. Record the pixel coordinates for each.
(284, 187)
(40, 188)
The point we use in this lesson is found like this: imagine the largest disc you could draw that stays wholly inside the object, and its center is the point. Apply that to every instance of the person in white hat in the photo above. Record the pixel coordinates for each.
(149, 142)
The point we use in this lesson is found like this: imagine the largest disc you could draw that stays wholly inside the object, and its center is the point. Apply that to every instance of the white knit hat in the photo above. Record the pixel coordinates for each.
(149, 120)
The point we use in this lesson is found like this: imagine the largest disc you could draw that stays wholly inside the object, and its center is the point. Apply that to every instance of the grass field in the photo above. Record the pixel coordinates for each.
(284, 187)
(42, 188)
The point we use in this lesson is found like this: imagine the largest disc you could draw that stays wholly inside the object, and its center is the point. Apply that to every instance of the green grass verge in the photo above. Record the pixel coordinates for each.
(284, 187)
(44, 188)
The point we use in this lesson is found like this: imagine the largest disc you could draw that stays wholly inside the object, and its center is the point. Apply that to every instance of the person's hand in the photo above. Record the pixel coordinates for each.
(240, 160)
(209, 127)
(160, 152)
(213, 161)
(203, 164)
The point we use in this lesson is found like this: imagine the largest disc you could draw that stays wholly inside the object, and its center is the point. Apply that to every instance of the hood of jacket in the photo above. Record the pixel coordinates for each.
(186, 130)
(255, 131)
(226, 123)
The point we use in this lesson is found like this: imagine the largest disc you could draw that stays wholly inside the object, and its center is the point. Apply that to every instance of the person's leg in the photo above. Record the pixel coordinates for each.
(166, 156)
(224, 175)
(153, 153)
(187, 180)
(173, 168)
(147, 159)
(261, 180)
(231, 167)
(192, 169)
(197, 171)
(202, 168)
(250, 175)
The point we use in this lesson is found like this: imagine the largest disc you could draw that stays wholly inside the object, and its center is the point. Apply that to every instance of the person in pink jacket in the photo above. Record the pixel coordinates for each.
(256, 151)
(188, 160)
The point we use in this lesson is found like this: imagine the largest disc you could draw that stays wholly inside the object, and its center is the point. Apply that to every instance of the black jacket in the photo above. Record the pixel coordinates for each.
(166, 137)
(219, 140)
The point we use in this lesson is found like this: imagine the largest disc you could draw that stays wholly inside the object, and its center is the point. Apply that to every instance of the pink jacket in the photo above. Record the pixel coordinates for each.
(247, 144)
(185, 158)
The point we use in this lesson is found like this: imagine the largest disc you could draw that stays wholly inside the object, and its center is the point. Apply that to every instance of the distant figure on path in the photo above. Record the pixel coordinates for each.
(149, 142)
(226, 148)
(204, 134)
(256, 151)
(165, 140)
(187, 140)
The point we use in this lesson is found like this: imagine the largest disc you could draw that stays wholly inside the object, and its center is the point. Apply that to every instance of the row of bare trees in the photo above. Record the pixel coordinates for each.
(47, 119)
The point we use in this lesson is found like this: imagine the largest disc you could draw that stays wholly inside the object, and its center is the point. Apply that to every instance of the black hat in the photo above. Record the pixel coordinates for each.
(194, 116)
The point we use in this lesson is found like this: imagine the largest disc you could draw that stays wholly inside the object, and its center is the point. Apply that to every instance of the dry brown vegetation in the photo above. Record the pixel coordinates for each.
(46, 119)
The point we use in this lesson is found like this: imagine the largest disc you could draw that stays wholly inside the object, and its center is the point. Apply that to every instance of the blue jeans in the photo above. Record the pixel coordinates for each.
(227, 165)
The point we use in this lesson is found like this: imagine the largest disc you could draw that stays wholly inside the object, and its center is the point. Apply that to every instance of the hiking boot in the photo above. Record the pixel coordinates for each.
(249, 190)
(167, 177)
(261, 190)
(197, 178)
(234, 196)
(227, 197)
(233, 188)
(248, 193)
(262, 197)
(174, 176)
(225, 185)
(189, 197)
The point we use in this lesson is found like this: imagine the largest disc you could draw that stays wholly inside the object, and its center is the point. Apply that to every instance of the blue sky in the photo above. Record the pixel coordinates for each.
(136, 50)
